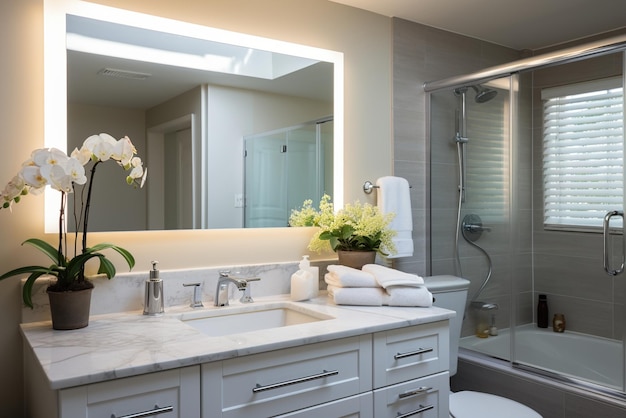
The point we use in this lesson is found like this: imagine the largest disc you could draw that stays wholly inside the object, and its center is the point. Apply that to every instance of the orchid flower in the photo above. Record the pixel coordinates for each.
(54, 168)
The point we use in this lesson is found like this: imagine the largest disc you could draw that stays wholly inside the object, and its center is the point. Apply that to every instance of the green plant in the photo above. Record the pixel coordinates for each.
(355, 227)
(62, 172)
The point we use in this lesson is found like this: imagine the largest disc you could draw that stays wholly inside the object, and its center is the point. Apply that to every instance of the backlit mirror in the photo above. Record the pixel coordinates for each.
(198, 103)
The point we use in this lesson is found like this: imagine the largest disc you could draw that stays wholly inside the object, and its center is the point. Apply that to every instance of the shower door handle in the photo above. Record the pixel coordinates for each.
(607, 253)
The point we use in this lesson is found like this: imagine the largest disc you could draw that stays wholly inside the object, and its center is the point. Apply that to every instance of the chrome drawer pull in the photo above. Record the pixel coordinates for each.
(325, 373)
(413, 353)
(418, 391)
(151, 413)
(421, 409)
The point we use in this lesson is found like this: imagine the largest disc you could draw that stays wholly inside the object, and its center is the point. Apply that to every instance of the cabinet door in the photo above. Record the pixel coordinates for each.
(360, 406)
(168, 394)
(425, 398)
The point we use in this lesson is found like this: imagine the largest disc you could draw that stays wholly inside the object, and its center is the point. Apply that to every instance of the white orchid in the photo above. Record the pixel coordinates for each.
(13, 190)
(54, 168)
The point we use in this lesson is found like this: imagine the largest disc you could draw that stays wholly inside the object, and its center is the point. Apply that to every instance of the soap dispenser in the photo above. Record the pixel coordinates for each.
(153, 304)
(305, 282)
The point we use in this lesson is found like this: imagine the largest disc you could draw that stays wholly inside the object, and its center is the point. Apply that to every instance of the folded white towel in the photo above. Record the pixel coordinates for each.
(386, 276)
(343, 276)
(363, 296)
(394, 196)
(408, 296)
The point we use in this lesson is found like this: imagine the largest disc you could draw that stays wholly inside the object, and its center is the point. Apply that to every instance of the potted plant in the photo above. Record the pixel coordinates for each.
(52, 167)
(357, 231)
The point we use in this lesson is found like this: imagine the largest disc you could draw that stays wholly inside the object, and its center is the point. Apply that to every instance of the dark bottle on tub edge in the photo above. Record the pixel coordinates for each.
(542, 312)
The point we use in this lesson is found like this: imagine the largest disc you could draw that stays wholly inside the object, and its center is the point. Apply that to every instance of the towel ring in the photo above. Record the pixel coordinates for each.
(368, 186)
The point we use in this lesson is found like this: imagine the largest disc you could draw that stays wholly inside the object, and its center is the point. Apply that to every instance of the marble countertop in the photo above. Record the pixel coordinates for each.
(127, 344)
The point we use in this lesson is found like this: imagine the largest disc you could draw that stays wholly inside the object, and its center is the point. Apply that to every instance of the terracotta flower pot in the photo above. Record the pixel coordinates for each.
(356, 259)
(70, 310)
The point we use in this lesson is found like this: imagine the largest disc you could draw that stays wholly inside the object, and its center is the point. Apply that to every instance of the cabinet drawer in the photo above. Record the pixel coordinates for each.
(359, 406)
(278, 382)
(408, 353)
(170, 394)
(425, 398)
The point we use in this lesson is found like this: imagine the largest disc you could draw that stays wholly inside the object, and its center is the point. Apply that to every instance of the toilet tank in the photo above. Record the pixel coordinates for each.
(450, 292)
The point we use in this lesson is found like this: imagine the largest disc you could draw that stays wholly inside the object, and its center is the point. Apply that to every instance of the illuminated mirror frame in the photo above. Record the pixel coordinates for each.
(55, 75)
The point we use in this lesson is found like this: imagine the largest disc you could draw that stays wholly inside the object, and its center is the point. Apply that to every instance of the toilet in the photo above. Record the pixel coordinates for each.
(450, 292)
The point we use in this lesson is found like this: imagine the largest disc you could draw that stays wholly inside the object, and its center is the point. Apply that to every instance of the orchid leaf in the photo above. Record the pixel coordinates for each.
(106, 267)
(47, 249)
(130, 260)
(27, 290)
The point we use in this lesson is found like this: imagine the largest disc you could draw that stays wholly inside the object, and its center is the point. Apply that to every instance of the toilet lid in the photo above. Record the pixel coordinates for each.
(468, 404)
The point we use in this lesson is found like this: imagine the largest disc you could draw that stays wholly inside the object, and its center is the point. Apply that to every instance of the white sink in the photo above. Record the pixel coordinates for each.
(236, 320)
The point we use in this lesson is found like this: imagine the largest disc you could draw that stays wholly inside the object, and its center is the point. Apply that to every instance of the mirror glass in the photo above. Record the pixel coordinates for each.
(191, 98)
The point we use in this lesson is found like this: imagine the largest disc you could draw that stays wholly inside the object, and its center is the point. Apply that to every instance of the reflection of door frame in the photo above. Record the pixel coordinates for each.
(155, 144)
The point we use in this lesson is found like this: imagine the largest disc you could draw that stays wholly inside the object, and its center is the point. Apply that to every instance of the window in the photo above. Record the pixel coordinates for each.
(582, 153)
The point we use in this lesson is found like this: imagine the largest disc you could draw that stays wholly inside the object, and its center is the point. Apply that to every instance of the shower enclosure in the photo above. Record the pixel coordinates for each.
(285, 167)
(492, 220)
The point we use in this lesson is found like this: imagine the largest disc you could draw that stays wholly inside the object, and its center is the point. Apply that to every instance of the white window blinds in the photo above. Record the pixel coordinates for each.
(582, 152)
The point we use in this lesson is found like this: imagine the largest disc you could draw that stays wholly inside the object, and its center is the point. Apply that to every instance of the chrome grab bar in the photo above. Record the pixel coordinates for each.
(607, 253)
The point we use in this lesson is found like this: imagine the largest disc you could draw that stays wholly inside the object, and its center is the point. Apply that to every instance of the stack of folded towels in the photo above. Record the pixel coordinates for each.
(376, 285)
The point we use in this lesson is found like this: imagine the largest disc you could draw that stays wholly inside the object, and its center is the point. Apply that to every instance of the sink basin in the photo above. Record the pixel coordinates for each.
(237, 320)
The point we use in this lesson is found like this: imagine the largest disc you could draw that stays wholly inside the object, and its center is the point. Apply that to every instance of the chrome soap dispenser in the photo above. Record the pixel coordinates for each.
(153, 304)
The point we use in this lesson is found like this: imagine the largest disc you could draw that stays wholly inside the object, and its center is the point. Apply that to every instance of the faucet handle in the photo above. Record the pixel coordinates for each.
(247, 297)
(196, 302)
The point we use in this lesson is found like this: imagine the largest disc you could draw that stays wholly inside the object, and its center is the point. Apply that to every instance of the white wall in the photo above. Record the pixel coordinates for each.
(364, 38)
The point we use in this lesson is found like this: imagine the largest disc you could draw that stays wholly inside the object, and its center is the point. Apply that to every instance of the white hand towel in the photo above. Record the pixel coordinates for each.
(394, 196)
(408, 296)
(363, 296)
(386, 276)
(344, 276)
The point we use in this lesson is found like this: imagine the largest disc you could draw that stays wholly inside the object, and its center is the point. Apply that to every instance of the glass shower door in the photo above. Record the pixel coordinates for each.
(471, 209)
(284, 168)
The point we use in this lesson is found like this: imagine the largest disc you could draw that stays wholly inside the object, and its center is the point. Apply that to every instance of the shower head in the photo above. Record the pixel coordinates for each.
(483, 94)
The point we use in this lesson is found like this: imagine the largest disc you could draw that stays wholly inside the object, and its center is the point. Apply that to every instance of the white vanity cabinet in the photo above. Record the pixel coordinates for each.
(397, 371)
(401, 372)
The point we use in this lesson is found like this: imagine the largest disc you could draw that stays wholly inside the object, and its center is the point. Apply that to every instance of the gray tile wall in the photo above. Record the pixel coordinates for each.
(422, 54)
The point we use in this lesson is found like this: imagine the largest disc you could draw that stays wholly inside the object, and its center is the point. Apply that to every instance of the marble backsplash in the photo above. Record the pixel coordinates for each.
(125, 292)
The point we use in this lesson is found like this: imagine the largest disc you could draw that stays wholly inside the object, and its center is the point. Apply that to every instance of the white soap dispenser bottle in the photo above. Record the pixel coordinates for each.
(304, 282)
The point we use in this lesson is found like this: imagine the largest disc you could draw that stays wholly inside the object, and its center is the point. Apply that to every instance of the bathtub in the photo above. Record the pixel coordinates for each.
(569, 354)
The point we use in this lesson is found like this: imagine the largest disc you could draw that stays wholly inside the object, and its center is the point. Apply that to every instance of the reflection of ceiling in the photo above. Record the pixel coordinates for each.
(518, 24)
(86, 86)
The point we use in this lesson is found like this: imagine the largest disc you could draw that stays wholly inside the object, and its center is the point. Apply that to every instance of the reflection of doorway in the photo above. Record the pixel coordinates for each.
(171, 185)
(177, 162)
(283, 168)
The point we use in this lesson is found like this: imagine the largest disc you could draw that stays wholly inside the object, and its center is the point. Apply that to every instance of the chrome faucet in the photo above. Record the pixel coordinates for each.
(221, 293)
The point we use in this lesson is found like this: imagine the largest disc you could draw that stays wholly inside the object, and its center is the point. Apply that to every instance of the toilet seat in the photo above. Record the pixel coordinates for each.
(468, 404)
